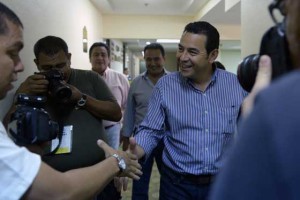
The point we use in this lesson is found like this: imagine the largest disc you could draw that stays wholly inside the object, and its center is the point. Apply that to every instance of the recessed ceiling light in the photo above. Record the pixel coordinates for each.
(167, 40)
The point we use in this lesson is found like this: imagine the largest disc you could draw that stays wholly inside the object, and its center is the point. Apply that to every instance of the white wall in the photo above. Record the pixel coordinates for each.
(171, 63)
(255, 20)
(230, 59)
(63, 18)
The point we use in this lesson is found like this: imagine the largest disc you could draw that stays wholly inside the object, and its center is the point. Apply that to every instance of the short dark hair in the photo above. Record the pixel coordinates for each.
(155, 46)
(99, 44)
(205, 28)
(50, 45)
(7, 14)
(219, 65)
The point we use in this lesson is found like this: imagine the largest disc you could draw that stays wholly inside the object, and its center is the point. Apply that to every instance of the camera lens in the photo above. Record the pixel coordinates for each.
(63, 92)
(247, 71)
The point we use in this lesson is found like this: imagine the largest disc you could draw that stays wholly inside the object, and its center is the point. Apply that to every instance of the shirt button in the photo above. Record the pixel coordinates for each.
(206, 130)
(206, 149)
(206, 112)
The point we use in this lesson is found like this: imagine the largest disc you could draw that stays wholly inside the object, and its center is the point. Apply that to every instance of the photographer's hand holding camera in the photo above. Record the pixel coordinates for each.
(59, 83)
(77, 100)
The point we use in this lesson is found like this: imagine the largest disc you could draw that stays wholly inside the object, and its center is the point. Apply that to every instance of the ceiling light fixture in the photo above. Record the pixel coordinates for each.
(167, 40)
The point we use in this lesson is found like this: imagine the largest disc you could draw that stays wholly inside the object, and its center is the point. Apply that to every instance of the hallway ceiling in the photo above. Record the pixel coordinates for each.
(150, 7)
(215, 15)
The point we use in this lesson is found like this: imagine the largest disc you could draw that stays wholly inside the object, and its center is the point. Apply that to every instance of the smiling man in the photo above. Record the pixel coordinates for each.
(194, 112)
(138, 99)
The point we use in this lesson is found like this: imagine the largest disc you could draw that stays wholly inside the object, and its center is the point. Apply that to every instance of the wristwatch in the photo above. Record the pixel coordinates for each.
(81, 102)
(121, 162)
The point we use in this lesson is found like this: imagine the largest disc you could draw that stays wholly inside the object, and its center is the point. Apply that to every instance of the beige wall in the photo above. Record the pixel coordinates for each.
(63, 18)
(143, 27)
(153, 27)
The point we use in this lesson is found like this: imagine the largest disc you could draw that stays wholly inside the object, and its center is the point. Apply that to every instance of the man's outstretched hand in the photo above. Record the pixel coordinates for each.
(133, 168)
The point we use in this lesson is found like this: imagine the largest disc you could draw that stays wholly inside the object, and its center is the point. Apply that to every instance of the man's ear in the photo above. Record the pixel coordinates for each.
(36, 61)
(69, 55)
(69, 58)
(213, 55)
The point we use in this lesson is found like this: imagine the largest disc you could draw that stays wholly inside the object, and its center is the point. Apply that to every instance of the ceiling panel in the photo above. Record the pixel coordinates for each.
(150, 7)
(215, 15)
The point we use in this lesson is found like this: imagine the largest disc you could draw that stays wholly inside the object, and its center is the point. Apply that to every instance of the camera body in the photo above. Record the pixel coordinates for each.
(274, 44)
(58, 90)
(30, 123)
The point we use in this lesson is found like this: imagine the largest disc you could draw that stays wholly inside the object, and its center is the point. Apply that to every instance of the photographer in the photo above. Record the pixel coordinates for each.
(264, 163)
(23, 175)
(80, 110)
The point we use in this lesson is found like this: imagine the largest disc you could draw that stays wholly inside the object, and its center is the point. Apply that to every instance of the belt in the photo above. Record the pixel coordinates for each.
(107, 127)
(202, 179)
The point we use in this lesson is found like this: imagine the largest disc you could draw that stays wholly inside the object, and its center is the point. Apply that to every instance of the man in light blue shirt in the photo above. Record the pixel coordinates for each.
(194, 112)
(136, 109)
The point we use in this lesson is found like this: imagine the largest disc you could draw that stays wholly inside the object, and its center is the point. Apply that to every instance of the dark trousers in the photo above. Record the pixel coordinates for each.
(140, 188)
(173, 186)
(109, 193)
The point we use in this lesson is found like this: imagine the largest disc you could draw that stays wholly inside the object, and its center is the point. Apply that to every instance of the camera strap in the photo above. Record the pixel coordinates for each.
(59, 137)
(60, 112)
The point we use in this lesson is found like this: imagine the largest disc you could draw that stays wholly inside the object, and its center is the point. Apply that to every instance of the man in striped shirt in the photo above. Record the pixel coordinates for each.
(199, 107)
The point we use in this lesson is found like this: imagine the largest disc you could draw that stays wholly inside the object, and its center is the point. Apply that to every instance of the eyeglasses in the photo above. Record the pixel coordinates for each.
(278, 4)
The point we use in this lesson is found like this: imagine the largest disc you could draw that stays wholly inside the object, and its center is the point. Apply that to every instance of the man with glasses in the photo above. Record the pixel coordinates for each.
(264, 163)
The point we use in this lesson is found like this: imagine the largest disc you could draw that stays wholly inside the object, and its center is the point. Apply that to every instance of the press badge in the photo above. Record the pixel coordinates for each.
(66, 141)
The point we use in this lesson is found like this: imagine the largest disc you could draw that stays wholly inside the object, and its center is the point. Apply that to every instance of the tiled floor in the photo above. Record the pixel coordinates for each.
(154, 186)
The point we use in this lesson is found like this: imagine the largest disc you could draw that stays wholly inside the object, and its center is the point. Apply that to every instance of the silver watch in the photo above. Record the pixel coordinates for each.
(121, 162)
(81, 102)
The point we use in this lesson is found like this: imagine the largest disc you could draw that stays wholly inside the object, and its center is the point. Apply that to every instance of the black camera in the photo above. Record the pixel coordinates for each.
(30, 123)
(273, 44)
(58, 90)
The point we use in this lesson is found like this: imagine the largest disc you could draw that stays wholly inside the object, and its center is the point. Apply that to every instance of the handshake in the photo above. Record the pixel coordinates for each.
(127, 163)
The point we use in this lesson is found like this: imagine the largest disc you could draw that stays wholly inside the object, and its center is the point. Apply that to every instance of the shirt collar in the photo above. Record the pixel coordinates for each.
(213, 78)
(144, 74)
(106, 71)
